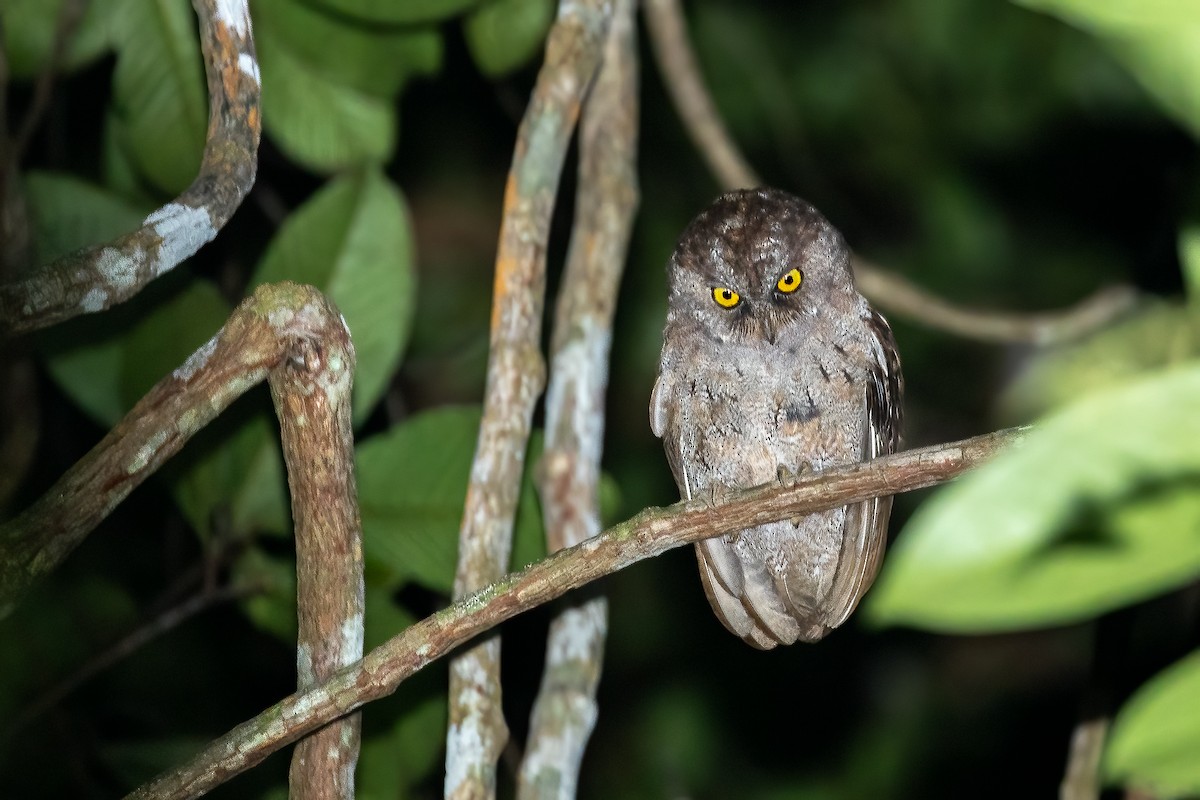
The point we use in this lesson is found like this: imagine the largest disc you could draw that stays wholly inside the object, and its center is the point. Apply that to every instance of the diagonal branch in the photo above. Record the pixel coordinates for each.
(565, 711)
(257, 338)
(515, 374)
(649, 534)
(101, 276)
(888, 290)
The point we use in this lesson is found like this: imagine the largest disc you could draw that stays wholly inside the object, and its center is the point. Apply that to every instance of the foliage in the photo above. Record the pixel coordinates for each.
(991, 153)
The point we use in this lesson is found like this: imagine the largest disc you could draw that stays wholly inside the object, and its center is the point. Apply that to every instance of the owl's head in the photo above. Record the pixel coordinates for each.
(759, 264)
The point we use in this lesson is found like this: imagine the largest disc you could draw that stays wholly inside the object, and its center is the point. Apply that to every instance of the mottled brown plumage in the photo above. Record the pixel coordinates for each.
(768, 371)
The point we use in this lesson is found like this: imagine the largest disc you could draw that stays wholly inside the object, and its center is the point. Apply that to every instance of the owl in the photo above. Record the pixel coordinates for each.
(772, 365)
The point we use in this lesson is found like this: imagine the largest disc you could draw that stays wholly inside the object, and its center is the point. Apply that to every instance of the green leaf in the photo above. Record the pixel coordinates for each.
(167, 334)
(382, 617)
(41, 646)
(273, 607)
(390, 12)
(352, 240)
(68, 213)
(30, 28)
(85, 357)
(392, 763)
(412, 484)
(362, 56)
(320, 123)
(504, 34)
(1160, 335)
(1100, 507)
(1189, 259)
(1158, 41)
(159, 100)
(1156, 735)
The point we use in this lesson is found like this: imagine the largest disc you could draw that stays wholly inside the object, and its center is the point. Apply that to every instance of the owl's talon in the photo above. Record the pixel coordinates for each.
(786, 477)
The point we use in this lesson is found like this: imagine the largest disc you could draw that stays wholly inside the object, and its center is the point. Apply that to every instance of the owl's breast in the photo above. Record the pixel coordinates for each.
(744, 412)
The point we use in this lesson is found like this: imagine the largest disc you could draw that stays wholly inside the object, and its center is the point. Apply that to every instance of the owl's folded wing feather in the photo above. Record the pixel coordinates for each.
(865, 536)
(662, 409)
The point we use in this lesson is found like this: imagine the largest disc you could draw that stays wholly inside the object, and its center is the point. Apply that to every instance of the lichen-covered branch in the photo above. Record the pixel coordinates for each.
(255, 340)
(889, 291)
(311, 389)
(515, 376)
(649, 534)
(565, 711)
(101, 276)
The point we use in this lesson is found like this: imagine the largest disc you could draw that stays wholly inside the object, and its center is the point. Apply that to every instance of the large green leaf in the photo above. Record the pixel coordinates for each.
(30, 28)
(393, 762)
(68, 213)
(363, 56)
(159, 101)
(1099, 507)
(504, 34)
(316, 120)
(412, 484)
(1160, 335)
(390, 12)
(1189, 259)
(1156, 735)
(352, 240)
(1159, 41)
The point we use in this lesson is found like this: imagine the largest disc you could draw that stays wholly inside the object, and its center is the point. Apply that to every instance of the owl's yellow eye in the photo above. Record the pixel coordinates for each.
(726, 298)
(790, 281)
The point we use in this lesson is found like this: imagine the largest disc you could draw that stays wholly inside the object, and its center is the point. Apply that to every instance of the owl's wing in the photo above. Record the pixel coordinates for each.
(865, 536)
(662, 412)
(720, 569)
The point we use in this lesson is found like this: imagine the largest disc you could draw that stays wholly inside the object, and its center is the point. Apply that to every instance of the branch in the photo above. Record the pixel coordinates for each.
(565, 710)
(681, 74)
(649, 534)
(515, 375)
(257, 338)
(101, 276)
(311, 390)
(887, 290)
(905, 299)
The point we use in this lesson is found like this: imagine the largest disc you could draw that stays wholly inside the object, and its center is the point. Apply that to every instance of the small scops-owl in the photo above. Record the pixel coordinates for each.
(773, 364)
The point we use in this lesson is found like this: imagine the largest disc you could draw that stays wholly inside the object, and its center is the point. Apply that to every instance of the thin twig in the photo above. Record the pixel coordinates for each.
(311, 390)
(886, 289)
(649, 534)
(1111, 641)
(515, 374)
(565, 710)
(128, 644)
(256, 338)
(101, 276)
(70, 13)
(1082, 778)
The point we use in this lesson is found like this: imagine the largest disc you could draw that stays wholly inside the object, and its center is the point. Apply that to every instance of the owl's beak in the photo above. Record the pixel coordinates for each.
(770, 330)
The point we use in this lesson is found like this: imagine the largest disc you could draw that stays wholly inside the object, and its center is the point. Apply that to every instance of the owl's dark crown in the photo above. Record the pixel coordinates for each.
(732, 268)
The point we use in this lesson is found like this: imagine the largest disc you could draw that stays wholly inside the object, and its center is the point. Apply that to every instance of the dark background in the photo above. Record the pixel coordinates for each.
(995, 156)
